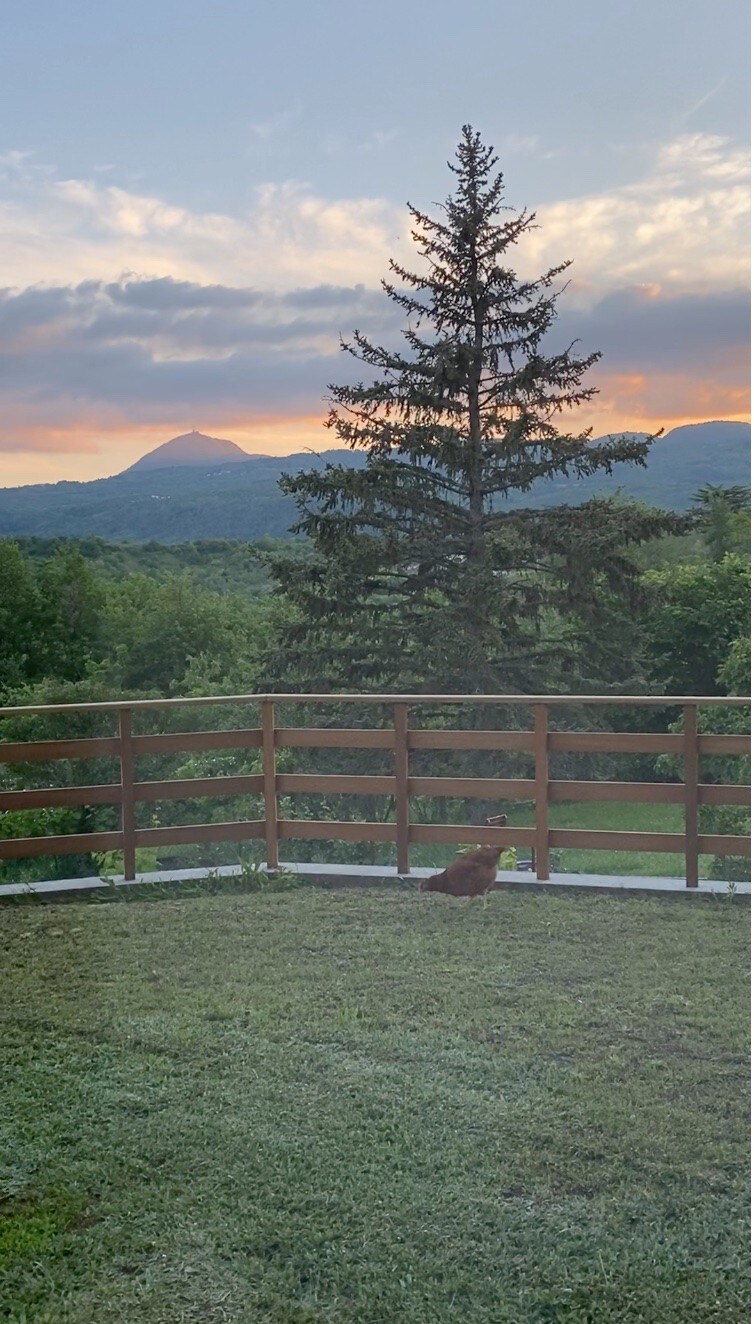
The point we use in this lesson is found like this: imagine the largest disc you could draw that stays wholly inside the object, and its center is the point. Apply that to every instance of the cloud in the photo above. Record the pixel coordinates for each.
(49, 442)
(685, 224)
(182, 317)
(263, 130)
(644, 328)
(14, 160)
(339, 144)
(147, 350)
(131, 311)
(650, 401)
(514, 144)
(57, 231)
(164, 293)
(702, 101)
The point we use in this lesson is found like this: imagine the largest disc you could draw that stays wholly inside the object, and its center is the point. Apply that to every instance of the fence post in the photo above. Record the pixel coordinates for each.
(691, 785)
(400, 725)
(270, 786)
(541, 792)
(127, 814)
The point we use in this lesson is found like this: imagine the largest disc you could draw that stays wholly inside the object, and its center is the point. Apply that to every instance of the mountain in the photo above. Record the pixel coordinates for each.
(191, 448)
(189, 501)
(679, 464)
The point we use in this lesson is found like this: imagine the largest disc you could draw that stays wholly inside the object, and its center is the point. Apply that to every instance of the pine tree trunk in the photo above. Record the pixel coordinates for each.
(476, 492)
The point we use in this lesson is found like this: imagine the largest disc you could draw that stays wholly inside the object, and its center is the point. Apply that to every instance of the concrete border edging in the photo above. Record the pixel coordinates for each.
(349, 875)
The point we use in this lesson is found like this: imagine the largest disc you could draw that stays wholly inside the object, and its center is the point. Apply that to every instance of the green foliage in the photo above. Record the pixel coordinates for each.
(425, 575)
(729, 820)
(49, 617)
(71, 636)
(734, 678)
(508, 859)
(736, 497)
(69, 620)
(673, 549)
(92, 621)
(156, 630)
(722, 524)
(725, 519)
(61, 620)
(220, 565)
(81, 772)
(18, 604)
(694, 616)
(735, 673)
(110, 862)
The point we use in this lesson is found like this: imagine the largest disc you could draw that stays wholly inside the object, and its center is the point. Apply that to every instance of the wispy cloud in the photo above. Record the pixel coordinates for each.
(340, 144)
(688, 114)
(14, 159)
(517, 143)
(269, 129)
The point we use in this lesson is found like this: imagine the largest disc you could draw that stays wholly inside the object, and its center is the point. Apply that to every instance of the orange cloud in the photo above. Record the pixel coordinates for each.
(96, 447)
(637, 403)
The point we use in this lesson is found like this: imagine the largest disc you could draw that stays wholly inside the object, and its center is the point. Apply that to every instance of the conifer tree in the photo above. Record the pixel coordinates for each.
(423, 578)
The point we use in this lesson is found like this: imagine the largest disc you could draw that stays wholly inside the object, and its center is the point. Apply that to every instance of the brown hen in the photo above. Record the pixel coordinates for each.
(470, 875)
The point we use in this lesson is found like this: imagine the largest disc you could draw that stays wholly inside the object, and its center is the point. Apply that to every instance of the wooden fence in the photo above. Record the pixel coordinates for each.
(401, 738)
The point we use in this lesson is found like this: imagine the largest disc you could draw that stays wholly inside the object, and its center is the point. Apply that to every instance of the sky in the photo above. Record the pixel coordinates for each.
(198, 199)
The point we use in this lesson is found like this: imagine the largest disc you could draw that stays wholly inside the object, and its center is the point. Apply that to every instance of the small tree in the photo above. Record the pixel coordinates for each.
(724, 518)
(423, 576)
(694, 615)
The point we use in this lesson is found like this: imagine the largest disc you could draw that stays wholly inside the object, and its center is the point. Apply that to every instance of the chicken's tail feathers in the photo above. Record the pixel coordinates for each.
(426, 883)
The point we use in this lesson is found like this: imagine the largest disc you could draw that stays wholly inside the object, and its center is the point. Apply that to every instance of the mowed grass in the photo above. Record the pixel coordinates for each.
(372, 1107)
(594, 816)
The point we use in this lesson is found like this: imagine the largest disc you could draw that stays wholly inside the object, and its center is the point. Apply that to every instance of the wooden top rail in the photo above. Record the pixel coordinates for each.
(415, 700)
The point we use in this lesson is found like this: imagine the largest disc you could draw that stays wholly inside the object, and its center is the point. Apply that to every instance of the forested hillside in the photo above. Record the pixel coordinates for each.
(220, 565)
(243, 500)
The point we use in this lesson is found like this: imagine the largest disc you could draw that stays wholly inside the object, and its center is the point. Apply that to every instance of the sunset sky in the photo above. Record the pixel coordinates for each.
(198, 197)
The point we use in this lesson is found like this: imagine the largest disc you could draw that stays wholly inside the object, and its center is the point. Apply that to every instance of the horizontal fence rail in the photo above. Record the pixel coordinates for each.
(401, 739)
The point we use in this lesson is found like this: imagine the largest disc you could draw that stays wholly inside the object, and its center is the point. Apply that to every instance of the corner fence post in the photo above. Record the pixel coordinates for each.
(541, 792)
(691, 786)
(400, 748)
(269, 774)
(127, 813)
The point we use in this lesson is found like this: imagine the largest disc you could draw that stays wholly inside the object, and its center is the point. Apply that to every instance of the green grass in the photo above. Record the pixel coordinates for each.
(593, 816)
(374, 1107)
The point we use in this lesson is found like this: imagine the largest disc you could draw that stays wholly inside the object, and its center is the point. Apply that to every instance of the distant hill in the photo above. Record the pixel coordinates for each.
(240, 498)
(192, 448)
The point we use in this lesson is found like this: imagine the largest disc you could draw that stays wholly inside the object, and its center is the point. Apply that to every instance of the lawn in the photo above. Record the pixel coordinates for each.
(304, 1106)
(617, 817)
(592, 816)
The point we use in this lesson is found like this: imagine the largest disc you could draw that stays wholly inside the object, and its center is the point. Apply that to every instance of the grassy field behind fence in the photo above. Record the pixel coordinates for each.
(308, 1106)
